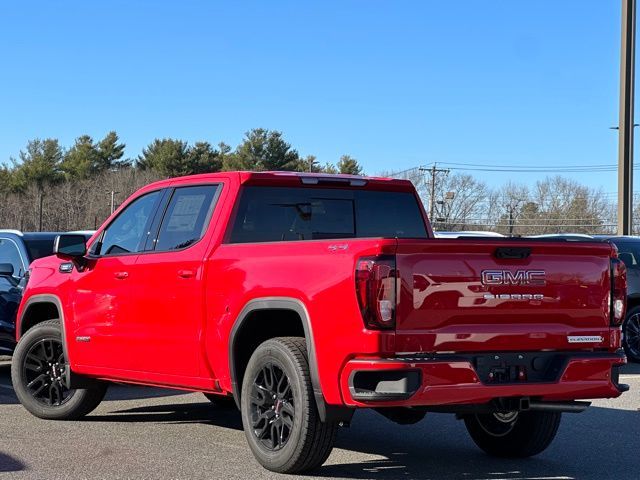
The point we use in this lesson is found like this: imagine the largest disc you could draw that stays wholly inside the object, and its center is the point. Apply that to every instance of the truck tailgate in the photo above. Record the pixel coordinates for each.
(477, 295)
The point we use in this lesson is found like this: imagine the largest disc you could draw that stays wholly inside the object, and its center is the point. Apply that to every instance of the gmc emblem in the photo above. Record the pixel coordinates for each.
(519, 277)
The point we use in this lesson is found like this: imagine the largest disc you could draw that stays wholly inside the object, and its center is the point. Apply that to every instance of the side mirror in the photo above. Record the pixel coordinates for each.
(6, 270)
(70, 245)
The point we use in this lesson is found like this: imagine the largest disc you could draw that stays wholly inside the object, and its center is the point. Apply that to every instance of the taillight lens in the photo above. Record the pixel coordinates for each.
(376, 291)
(618, 291)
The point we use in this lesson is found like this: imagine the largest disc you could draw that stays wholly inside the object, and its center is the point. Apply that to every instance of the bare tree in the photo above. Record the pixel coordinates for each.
(554, 205)
(460, 203)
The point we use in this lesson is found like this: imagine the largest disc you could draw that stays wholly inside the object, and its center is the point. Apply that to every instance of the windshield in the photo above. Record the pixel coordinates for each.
(39, 248)
(629, 253)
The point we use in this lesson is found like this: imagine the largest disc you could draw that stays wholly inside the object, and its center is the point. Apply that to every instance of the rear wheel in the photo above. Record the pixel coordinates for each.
(631, 334)
(279, 413)
(513, 434)
(38, 374)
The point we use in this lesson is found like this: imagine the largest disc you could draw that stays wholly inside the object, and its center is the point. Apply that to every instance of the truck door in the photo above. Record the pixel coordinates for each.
(105, 332)
(170, 301)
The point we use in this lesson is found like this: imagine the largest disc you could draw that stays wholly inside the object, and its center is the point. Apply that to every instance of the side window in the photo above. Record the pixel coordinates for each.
(128, 232)
(9, 254)
(186, 218)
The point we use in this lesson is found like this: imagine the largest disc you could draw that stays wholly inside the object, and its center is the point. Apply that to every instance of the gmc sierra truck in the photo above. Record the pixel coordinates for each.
(302, 297)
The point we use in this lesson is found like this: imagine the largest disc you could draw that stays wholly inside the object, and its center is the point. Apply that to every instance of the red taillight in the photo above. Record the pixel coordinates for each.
(376, 291)
(618, 291)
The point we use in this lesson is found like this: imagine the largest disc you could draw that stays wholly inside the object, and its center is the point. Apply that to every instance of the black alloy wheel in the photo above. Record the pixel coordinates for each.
(272, 407)
(38, 373)
(44, 371)
(279, 413)
(497, 424)
(513, 434)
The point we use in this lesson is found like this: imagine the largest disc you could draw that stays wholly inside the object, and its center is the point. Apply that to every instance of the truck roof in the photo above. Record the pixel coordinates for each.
(287, 178)
(29, 235)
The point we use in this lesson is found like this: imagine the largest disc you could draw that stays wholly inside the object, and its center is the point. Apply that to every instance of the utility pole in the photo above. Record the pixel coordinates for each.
(625, 131)
(510, 221)
(512, 206)
(113, 200)
(41, 201)
(433, 171)
(311, 162)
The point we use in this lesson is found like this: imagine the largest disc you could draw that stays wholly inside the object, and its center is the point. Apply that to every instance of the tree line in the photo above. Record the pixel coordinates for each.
(50, 187)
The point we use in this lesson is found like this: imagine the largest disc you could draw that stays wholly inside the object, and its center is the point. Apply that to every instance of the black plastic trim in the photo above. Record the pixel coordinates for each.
(327, 412)
(615, 379)
(46, 298)
(558, 362)
(512, 253)
(405, 382)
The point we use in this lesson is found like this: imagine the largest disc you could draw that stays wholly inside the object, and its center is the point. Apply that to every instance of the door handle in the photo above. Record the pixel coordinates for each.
(186, 273)
(121, 275)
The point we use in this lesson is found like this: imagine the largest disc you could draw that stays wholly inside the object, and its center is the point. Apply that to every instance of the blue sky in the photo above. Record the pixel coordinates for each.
(394, 84)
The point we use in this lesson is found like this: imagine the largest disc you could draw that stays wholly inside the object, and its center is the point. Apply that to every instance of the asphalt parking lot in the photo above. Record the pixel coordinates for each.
(152, 433)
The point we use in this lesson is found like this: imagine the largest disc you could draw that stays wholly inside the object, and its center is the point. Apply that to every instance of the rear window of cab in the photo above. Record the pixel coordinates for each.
(275, 214)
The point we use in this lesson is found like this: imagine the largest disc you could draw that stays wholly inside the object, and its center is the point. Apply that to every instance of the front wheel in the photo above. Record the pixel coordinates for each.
(37, 371)
(513, 434)
(279, 414)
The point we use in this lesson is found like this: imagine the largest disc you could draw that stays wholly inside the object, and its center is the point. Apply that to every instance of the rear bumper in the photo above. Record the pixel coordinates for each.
(460, 379)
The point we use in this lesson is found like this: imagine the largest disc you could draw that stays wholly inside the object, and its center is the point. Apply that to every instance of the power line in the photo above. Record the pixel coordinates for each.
(488, 167)
(518, 225)
(472, 164)
(536, 170)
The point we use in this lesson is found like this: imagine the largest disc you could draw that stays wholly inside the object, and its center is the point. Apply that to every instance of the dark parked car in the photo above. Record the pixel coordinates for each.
(17, 251)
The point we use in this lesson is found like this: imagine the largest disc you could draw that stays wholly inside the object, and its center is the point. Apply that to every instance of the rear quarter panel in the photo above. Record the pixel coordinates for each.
(313, 272)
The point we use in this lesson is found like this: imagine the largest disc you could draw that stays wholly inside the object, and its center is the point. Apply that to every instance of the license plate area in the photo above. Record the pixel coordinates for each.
(510, 368)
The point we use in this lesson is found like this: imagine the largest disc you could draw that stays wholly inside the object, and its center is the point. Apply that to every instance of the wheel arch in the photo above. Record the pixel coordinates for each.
(254, 311)
(38, 309)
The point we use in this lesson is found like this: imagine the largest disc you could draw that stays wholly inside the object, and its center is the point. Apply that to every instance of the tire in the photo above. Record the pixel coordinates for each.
(631, 334)
(221, 401)
(43, 393)
(285, 434)
(513, 434)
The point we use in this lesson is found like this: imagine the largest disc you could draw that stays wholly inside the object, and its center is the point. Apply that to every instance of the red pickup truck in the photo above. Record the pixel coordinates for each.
(302, 297)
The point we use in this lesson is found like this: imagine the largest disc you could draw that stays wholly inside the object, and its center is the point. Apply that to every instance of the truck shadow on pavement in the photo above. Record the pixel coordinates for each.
(600, 443)
(118, 392)
(10, 464)
(181, 413)
(631, 369)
